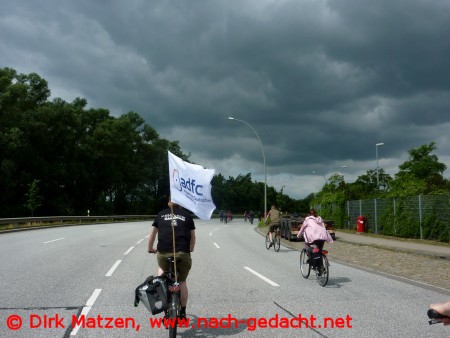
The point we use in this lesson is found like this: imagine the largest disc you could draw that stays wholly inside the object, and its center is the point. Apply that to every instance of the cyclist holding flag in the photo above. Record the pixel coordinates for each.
(174, 225)
(190, 188)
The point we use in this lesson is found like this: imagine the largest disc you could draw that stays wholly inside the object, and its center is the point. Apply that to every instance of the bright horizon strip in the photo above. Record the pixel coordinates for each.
(267, 280)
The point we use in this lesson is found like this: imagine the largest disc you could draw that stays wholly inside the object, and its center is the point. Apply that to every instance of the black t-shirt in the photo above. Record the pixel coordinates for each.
(183, 224)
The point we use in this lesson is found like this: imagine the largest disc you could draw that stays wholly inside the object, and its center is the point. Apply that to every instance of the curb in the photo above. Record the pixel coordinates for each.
(397, 249)
(385, 247)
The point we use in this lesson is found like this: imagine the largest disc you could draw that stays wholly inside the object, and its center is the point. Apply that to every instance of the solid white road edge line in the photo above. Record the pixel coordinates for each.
(114, 267)
(261, 276)
(87, 308)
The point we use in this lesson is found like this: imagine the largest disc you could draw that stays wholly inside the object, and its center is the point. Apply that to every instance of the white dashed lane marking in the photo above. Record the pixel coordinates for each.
(54, 240)
(113, 268)
(87, 308)
(267, 280)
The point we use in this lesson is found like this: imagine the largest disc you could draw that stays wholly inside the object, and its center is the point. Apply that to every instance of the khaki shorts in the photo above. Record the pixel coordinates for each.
(184, 263)
(272, 227)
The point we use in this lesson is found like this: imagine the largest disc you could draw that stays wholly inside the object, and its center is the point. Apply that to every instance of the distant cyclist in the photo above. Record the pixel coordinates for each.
(251, 216)
(274, 215)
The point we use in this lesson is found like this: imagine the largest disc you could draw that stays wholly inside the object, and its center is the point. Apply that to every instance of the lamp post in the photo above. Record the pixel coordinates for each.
(280, 202)
(326, 182)
(264, 160)
(343, 167)
(376, 153)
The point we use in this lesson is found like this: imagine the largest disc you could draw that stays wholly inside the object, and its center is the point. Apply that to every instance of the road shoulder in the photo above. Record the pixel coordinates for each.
(424, 269)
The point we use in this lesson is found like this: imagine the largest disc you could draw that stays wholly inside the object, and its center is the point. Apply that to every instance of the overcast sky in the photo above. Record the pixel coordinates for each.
(321, 81)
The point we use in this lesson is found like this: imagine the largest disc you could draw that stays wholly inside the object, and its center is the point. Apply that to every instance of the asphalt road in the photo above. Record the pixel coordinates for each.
(50, 277)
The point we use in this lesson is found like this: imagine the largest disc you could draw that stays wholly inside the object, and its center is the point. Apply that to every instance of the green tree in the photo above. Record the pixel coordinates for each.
(219, 192)
(407, 185)
(421, 173)
(335, 183)
(365, 185)
(422, 163)
(83, 158)
(33, 200)
(19, 95)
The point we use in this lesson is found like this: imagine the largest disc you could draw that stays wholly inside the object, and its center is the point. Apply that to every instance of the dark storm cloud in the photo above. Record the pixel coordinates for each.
(321, 81)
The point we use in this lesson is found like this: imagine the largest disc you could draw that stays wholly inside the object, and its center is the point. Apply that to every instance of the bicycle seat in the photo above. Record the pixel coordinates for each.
(316, 243)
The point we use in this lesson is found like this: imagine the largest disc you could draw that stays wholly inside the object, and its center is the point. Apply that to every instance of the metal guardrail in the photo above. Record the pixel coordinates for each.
(36, 222)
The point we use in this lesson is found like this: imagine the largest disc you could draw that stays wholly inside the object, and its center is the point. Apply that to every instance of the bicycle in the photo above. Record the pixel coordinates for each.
(276, 240)
(322, 269)
(172, 313)
(162, 294)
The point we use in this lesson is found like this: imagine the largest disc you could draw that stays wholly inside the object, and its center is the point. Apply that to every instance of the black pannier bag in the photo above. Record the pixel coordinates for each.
(316, 258)
(153, 293)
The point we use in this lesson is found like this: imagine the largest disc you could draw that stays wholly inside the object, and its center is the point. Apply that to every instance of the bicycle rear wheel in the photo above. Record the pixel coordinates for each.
(267, 241)
(277, 240)
(324, 271)
(174, 314)
(305, 267)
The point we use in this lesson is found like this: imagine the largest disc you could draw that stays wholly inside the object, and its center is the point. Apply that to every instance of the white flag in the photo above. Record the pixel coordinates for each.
(190, 186)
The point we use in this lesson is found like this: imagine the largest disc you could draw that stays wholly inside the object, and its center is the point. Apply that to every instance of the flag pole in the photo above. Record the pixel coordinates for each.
(173, 241)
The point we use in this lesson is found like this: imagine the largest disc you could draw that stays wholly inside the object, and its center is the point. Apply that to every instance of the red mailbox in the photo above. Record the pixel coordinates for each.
(361, 224)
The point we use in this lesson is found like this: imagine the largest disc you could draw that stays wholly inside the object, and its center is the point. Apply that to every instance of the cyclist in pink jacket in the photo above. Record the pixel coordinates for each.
(313, 230)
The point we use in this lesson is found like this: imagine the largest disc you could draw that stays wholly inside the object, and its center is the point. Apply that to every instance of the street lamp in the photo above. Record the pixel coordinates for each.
(264, 159)
(280, 202)
(376, 152)
(343, 167)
